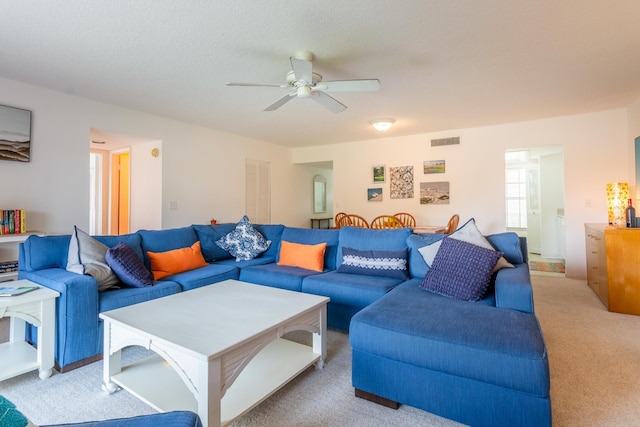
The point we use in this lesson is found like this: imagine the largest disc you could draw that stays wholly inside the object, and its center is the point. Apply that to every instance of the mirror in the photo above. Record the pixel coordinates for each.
(319, 194)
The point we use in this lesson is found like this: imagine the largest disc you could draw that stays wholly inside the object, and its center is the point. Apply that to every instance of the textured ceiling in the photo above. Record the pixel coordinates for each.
(442, 64)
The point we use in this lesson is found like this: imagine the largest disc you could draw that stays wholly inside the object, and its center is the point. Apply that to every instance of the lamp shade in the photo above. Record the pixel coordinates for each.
(617, 196)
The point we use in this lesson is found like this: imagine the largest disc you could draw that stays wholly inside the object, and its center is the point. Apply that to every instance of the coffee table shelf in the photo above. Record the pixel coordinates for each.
(16, 358)
(278, 363)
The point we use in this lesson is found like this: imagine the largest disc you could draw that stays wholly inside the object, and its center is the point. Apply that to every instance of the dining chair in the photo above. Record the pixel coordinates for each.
(340, 220)
(385, 222)
(452, 225)
(406, 219)
(355, 220)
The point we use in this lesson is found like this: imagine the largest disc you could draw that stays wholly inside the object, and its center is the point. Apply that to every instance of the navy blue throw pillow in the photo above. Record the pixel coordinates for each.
(461, 270)
(374, 263)
(128, 266)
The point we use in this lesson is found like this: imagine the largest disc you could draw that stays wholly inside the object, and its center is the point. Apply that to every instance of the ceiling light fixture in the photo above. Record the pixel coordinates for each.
(382, 124)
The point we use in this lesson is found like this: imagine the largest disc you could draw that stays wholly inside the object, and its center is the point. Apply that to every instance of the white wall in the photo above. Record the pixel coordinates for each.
(146, 187)
(202, 169)
(595, 152)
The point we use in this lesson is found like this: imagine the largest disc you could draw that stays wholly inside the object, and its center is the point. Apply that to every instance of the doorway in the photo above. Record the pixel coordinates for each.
(120, 181)
(534, 180)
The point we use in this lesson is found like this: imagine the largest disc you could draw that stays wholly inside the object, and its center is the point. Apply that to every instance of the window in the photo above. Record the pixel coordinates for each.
(516, 191)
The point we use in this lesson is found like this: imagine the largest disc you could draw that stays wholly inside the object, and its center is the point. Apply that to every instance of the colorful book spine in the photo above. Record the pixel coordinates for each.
(13, 221)
(16, 221)
(23, 221)
(6, 221)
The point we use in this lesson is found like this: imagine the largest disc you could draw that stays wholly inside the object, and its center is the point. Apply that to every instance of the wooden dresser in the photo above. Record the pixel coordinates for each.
(613, 266)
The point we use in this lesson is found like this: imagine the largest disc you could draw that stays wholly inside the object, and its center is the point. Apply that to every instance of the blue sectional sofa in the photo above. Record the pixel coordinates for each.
(481, 363)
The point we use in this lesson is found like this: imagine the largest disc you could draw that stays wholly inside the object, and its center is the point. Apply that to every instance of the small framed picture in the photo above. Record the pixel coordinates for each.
(378, 174)
(374, 194)
(433, 166)
(434, 193)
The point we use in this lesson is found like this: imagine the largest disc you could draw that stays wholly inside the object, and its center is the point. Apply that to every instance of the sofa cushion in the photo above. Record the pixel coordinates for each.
(309, 257)
(276, 276)
(367, 239)
(166, 240)
(117, 298)
(467, 233)
(128, 266)
(469, 340)
(461, 270)
(310, 236)
(133, 240)
(204, 276)
(273, 233)
(87, 256)
(417, 265)
(166, 263)
(244, 242)
(208, 236)
(352, 290)
(42, 252)
(374, 263)
(509, 244)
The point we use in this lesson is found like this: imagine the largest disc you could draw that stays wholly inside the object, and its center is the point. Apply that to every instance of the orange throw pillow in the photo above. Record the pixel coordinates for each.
(309, 257)
(176, 261)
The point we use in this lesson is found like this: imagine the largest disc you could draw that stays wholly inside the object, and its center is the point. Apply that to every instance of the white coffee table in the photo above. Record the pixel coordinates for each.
(38, 308)
(209, 339)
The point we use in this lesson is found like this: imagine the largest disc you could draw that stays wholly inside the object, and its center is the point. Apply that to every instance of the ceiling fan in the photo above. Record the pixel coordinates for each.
(308, 84)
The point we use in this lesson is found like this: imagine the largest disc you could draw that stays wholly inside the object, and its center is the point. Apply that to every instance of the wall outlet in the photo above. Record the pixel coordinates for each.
(173, 205)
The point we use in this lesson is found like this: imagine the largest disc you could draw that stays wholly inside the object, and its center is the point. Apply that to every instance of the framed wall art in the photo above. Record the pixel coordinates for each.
(374, 194)
(15, 134)
(433, 166)
(378, 174)
(401, 182)
(434, 193)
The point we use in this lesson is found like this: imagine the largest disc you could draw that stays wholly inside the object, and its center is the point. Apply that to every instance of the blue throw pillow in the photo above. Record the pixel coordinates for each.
(374, 263)
(244, 242)
(461, 270)
(128, 266)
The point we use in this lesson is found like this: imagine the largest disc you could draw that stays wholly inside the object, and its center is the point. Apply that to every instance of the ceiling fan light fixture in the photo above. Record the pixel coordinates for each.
(382, 124)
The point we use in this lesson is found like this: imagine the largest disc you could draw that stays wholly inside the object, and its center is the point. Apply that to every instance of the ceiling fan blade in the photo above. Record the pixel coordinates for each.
(254, 84)
(349, 85)
(328, 102)
(303, 70)
(281, 101)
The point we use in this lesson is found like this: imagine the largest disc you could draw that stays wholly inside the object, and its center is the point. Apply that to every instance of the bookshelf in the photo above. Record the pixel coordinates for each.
(9, 250)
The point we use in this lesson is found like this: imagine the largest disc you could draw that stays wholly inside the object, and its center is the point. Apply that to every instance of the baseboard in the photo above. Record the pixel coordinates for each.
(377, 399)
(78, 364)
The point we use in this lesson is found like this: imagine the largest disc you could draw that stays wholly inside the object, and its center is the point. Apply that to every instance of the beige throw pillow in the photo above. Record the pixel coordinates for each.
(467, 233)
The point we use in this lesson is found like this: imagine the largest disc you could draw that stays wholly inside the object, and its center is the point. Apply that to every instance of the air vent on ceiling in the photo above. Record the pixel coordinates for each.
(445, 141)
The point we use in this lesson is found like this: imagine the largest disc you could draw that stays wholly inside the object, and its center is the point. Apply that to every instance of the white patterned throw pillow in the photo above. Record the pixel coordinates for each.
(244, 242)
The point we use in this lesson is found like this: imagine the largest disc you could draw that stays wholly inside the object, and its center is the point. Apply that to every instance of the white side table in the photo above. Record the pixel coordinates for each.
(38, 308)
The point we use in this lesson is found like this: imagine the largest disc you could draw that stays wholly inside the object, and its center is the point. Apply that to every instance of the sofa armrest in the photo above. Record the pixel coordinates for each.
(513, 288)
(76, 312)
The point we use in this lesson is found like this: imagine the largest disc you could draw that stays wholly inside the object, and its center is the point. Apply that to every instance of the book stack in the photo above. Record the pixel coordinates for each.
(8, 266)
(13, 221)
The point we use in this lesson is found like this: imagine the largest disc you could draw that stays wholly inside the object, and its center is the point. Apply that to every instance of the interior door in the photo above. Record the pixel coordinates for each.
(120, 183)
(258, 191)
(534, 217)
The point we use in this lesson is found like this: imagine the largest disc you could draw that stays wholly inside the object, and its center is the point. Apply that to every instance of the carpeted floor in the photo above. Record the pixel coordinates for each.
(594, 359)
